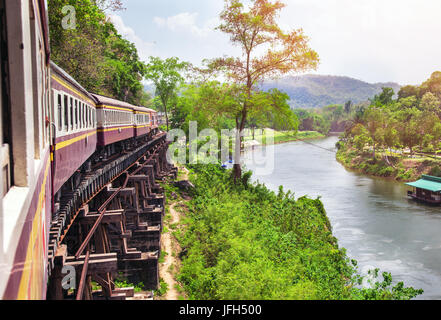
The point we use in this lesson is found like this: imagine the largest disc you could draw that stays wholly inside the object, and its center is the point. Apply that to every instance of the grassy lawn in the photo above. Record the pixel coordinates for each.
(283, 136)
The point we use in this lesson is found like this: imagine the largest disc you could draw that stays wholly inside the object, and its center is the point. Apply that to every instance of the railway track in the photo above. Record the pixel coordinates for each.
(111, 224)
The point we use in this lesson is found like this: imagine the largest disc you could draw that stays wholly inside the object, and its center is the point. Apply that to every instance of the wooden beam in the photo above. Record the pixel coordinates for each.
(111, 216)
(102, 263)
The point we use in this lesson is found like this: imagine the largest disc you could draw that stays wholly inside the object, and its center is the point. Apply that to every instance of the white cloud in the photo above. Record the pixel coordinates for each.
(186, 22)
(371, 39)
(145, 49)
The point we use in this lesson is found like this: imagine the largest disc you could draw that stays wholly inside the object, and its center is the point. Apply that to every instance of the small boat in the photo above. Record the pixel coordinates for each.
(427, 189)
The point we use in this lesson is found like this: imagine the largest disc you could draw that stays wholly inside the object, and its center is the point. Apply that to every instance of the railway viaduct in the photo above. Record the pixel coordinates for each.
(111, 225)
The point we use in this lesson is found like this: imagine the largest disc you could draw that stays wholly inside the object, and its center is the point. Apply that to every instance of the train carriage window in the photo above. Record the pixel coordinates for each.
(60, 113)
(81, 115)
(71, 114)
(66, 113)
(76, 113)
(87, 116)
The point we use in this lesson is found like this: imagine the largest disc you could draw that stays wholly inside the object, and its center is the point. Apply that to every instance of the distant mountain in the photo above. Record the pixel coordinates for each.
(311, 91)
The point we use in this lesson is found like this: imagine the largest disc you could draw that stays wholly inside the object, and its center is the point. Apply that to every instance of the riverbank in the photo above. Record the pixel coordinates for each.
(281, 137)
(395, 167)
(247, 242)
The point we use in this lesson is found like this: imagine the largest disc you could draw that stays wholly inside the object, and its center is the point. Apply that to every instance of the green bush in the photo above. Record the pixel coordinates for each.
(435, 171)
(247, 242)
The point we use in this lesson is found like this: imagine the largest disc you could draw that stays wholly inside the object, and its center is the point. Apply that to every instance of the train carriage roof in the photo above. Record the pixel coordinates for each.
(102, 100)
(144, 109)
(72, 81)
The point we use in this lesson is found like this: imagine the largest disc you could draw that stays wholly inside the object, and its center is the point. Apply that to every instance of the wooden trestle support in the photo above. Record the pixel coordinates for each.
(116, 231)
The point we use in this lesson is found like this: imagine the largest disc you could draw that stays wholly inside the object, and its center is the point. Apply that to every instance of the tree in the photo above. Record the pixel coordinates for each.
(361, 136)
(348, 106)
(432, 85)
(407, 91)
(114, 5)
(409, 127)
(166, 76)
(391, 137)
(94, 53)
(256, 31)
(374, 118)
(408, 102)
(430, 103)
(385, 98)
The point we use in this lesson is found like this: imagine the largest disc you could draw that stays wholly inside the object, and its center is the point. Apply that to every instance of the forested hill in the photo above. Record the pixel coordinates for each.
(311, 91)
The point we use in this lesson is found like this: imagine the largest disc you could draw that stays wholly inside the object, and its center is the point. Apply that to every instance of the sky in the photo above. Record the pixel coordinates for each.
(370, 40)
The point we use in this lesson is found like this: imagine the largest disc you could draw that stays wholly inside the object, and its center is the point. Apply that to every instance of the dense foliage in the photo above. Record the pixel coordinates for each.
(332, 118)
(412, 121)
(396, 137)
(86, 44)
(214, 105)
(246, 242)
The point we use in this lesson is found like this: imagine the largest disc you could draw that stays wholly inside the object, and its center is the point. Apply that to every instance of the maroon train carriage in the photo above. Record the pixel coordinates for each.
(74, 113)
(143, 120)
(115, 121)
(25, 139)
(155, 120)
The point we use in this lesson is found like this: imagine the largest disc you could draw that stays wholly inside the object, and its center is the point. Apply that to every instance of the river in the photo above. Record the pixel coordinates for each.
(371, 217)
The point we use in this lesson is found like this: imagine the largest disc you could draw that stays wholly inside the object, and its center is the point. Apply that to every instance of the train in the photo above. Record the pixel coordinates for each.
(53, 131)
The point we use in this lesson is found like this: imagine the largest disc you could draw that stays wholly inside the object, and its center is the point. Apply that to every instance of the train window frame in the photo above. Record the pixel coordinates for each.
(59, 110)
(71, 113)
(66, 112)
(81, 113)
(76, 122)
